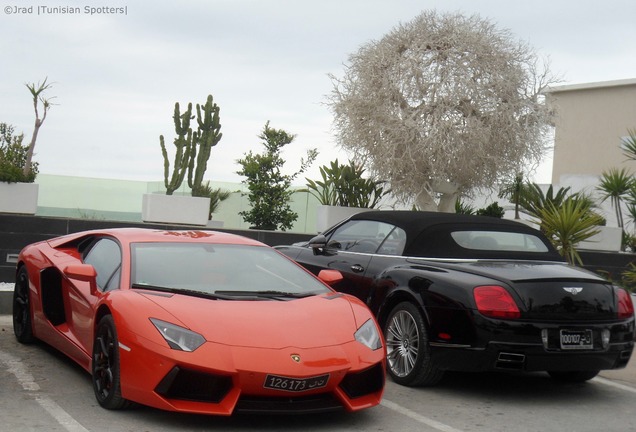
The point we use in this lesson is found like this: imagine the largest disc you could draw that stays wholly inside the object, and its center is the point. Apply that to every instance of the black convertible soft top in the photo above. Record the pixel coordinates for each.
(429, 234)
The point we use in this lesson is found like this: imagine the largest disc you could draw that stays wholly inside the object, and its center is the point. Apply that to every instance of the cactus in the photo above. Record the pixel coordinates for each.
(207, 136)
(184, 147)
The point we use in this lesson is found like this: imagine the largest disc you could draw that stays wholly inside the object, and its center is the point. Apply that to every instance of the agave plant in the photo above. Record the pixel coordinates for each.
(343, 185)
(215, 195)
(532, 198)
(616, 185)
(569, 224)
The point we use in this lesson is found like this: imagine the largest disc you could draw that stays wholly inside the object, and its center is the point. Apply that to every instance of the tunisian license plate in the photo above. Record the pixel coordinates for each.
(576, 339)
(295, 384)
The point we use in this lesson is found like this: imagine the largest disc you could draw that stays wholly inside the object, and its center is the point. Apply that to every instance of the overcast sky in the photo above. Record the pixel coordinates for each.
(118, 75)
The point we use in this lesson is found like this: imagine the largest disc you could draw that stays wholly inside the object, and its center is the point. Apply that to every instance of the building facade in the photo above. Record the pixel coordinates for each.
(591, 121)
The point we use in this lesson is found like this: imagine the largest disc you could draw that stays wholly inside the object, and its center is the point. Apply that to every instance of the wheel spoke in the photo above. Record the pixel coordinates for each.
(394, 344)
(103, 348)
(393, 331)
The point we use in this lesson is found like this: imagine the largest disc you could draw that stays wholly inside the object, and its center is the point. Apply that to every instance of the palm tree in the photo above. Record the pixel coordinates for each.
(462, 208)
(569, 224)
(616, 185)
(629, 145)
(513, 191)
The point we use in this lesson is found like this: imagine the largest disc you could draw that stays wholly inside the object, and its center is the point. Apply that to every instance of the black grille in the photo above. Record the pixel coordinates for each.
(288, 405)
(191, 385)
(363, 383)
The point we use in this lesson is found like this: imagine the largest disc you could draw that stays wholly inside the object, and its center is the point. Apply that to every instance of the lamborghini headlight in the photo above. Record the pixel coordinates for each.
(178, 338)
(368, 335)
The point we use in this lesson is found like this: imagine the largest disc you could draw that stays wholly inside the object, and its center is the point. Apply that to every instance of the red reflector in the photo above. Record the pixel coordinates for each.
(625, 305)
(495, 302)
(444, 336)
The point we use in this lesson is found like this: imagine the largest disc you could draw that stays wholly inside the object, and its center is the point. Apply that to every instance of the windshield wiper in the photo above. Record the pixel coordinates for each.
(193, 293)
(266, 294)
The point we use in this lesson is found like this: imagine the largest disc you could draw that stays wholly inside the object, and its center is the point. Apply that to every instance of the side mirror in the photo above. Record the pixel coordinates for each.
(330, 277)
(84, 273)
(318, 243)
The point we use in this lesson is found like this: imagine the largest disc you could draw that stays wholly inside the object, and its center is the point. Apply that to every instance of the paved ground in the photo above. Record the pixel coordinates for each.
(626, 375)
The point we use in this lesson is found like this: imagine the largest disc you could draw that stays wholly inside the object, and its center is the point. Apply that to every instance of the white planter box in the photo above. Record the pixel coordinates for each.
(19, 198)
(175, 209)
(327, 216)
(609, 239)
(215, 224)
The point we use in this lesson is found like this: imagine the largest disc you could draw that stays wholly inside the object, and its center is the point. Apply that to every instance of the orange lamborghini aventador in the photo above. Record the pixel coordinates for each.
(199, 322)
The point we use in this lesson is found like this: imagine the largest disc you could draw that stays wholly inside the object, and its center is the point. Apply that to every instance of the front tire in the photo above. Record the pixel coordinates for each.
(573, 376)
(105, 368)
(408, 351)
(22, 325)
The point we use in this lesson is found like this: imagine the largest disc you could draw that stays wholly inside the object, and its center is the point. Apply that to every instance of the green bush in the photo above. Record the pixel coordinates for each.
(13, 157)
(270, 190)
(493, 210)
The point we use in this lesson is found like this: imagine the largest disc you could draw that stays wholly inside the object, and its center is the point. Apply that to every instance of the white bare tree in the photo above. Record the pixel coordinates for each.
(442, 105)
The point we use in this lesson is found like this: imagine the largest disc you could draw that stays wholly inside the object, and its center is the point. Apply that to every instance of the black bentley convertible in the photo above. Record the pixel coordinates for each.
(470, 293)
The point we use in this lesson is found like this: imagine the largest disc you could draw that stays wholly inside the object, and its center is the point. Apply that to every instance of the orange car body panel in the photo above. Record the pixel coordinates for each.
(245, 340)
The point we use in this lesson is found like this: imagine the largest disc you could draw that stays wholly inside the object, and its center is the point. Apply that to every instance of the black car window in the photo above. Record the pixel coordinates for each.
(394, 243)
(360, 236)
(105, 256)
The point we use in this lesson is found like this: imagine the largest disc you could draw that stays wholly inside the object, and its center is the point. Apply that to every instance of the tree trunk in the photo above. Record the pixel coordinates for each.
(27, 165)
(447, 203)
(425, 202)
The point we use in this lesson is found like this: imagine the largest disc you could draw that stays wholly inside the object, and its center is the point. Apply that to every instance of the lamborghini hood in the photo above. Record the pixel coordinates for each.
(310, 322)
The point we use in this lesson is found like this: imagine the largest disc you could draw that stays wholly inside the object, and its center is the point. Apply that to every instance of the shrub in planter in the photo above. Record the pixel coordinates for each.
(269, 189)
(343, 185)
(13, 157)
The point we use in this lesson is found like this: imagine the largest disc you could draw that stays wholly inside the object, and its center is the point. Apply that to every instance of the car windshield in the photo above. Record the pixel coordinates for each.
(499, 241)
(219, 268)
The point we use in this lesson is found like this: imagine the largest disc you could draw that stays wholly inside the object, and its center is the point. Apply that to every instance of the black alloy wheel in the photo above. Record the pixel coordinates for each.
(105, 369)
(408, 351)
(22, 326)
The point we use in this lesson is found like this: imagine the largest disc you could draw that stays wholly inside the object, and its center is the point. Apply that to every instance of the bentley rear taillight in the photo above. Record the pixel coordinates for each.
(625, 305)
(495, 302)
